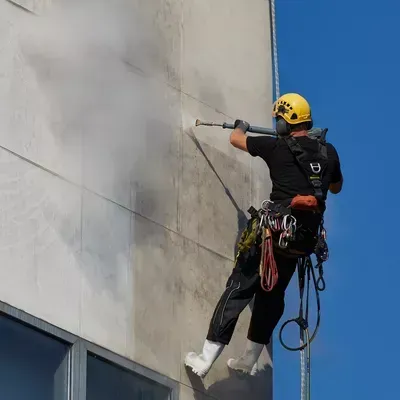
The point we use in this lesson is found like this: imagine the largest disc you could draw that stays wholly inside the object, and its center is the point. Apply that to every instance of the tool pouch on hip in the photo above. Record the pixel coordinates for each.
(249, 236)
(306, 203)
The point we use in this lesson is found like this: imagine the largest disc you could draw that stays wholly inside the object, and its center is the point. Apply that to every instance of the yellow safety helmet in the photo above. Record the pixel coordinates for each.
(293, 108)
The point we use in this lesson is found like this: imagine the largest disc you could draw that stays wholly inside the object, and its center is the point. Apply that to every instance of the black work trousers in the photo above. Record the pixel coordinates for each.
(243, 284)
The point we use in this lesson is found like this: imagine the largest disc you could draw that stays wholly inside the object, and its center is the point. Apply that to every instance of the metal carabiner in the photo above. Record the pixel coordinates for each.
(264, 206)
(272, 222)
(284, 223)
(282, 241)
(260, 226)
(293, 222)
(288, 221)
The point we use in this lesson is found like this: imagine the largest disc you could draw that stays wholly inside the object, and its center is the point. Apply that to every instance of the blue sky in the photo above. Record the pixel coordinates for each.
(343, 56)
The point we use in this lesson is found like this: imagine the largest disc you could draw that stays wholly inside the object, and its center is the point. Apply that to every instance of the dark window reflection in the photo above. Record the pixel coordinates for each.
(106, 381)
(32, 364)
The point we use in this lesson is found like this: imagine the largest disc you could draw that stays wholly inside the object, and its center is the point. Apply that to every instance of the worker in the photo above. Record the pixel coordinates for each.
(302, 171)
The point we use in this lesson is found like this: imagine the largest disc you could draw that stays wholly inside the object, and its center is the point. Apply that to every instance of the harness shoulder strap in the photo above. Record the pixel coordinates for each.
(313, 170)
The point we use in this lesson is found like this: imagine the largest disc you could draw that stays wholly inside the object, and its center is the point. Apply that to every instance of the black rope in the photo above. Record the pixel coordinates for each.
(305, 269)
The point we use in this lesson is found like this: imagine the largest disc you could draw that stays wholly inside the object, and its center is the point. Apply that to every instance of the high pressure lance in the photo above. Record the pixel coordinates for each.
(224, 125)
(313, 133)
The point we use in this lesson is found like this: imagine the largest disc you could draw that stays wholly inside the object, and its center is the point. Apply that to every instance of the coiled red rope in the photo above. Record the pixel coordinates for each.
(268, 268)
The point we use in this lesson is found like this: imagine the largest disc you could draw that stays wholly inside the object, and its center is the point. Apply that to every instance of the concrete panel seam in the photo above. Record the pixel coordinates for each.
(137, 70)
(81, 296)
(198, 100)
(55, 174)
(140, 72)
(20, 6)
(180, 174)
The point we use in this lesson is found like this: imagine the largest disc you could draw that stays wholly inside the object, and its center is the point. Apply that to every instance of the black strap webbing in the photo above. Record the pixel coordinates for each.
(303, 157)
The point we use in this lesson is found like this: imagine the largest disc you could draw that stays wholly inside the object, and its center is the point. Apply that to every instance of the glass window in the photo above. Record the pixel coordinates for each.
(106, 381)
(33, 366)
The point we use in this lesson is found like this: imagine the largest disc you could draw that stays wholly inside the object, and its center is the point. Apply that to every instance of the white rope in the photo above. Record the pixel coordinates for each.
(305, 362)
(275, 50)
(304, 375)
(303, 383)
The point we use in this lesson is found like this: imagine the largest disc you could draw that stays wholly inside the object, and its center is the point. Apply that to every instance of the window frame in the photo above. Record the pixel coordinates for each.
(78, 352)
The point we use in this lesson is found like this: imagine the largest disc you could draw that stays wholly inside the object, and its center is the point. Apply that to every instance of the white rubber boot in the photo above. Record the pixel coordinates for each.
(246, 362)
(202, 363)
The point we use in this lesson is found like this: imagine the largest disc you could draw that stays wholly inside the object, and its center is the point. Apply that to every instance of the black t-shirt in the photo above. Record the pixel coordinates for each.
(288, 179)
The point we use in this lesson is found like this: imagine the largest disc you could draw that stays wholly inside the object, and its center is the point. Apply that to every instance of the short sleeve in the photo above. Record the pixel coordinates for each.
(334, 159)
(260, 146)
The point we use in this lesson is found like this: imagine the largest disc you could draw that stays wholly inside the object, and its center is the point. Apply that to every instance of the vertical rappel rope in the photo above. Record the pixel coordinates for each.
(277, 95)
(303, 380)
(275, 50)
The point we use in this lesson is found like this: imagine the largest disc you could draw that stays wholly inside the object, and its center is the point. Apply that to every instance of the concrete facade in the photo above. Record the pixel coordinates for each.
(119, 218)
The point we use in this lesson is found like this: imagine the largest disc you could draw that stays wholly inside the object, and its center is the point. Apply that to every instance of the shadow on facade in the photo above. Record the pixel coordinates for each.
(236, 387)
(241, 216)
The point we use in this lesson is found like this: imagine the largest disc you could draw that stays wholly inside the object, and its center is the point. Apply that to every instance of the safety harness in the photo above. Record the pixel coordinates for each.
(312, 164)
(273, 227)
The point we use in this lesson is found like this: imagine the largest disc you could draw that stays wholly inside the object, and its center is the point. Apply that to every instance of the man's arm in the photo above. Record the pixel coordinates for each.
(337, 178)
(238, 137)
(256, 146)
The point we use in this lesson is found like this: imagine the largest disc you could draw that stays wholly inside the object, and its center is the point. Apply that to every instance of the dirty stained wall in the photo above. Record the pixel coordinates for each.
(119, 218)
